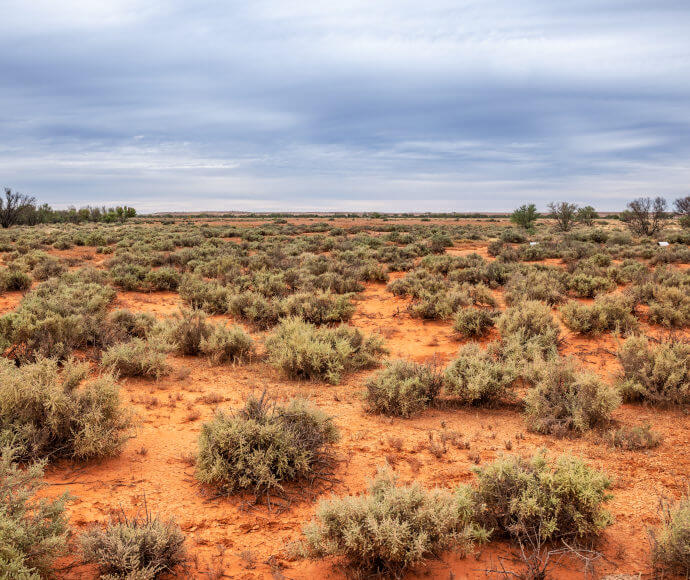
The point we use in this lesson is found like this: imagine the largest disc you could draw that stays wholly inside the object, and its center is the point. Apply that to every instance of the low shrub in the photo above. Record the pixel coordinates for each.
(122, 325)
(129, 276)
(474, 322)
(671, 544)
(136, 358)
(403, 388)
(187, 330)
(565, 401)
(542, 499)
(304, 351)
(163, 279)
(319, 308)
(227, 345)
(657, 374)
(255, 308)
(48, 412)
(261, 447)
(392, 527)
(141, 548)
(586, 286)
(543, 285)
(14, 279)
(633, 438)
(210, 297)
(529, 324)
(607, 313)
(670, 307)
(58, 316)
(477, 377)
(33, 532)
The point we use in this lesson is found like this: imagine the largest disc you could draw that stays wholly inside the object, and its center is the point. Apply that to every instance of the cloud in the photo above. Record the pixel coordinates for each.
(464, 105)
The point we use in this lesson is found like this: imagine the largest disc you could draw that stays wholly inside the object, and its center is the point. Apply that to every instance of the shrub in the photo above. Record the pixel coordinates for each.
(122, 325)
(633, 438)
(32, 532)
(141, 548)
(260, 448)
(320, 308)
(658, 374)
(46, 412)
(129, 276)
(14, 279)
(227, 345)
(163, 279)
(59, 315)
(472, 322)
(392, 527)
(586, 286)
(669, 307)
(255, 309)
(607, 313)
(187, 330)
(671, 545)
(47, 267)
(136, 358)
(565, 401)
(531, 322)
(544, 285)
(513, 236)
(403, 388)
(210, 297)
(539, 499)
(476, 377)
(302, 350)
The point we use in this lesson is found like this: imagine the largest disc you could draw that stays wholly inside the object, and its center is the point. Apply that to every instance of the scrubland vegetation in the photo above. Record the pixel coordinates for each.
(430, 347)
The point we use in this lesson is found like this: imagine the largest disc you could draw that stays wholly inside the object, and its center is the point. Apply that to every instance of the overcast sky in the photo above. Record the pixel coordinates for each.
(383, 105)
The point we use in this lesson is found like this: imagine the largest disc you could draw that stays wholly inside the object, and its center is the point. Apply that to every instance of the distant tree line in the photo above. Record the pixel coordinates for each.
(21, 209)
(644, 216)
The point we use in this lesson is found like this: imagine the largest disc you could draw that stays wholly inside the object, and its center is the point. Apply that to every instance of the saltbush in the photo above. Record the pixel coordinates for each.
(261, 447)
(139, 547)
(474, 322)
(33, 532)
(403, 388)
(477, 377)
(49, 412)
(137, 358)
(565, 401)
(301, 350)
(655, 373)
(392, 527)
(671, 544)
(607, 313)
(541, 499)
(227, 345)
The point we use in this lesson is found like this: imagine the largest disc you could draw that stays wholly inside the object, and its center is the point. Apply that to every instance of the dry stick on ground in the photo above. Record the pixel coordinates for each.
(536, 558)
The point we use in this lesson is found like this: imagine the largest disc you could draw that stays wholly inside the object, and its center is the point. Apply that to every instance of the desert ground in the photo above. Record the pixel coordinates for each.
(234, 536)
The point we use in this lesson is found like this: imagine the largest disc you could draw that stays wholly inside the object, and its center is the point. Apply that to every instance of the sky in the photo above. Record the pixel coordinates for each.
(364, 105)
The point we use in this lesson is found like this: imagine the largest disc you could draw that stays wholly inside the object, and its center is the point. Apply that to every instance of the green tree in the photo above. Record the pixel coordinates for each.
(525, 216)
(564, 214)
(586, 215)
(682, 207)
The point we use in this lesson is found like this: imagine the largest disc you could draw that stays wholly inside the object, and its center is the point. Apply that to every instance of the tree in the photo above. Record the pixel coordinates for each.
(525, 216)
(645, 216)
(682, 207)
(587, 215)
(12, 206)
(564, 214)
